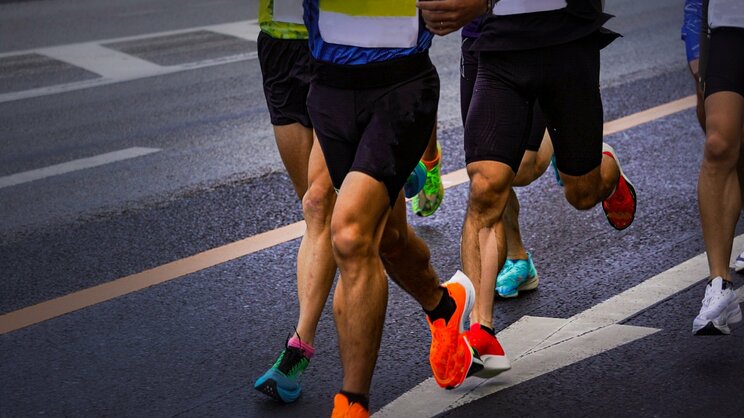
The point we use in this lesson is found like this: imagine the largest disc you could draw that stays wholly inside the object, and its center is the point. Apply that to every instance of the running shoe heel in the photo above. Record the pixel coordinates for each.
(620, 207)
(279, 387)
(281, 381)
(464, 281)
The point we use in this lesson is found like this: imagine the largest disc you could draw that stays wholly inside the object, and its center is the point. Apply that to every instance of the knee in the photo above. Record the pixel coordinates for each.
(349, 241)
(719, 150)
(581, 198)
(317, 204)
(487, 196)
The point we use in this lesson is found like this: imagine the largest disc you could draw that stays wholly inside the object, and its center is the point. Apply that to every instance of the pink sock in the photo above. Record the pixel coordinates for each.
(306, 348)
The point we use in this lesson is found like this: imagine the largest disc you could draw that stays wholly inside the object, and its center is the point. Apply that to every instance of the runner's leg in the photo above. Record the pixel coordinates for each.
(315, 264)
(294, 142)
(360, 298)
(719, 195)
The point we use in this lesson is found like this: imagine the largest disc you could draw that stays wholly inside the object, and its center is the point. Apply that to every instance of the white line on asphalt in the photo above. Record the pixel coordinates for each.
(247, 30)
(75, 165)
(116, 67)
(252, 23)
(103, 61)
(541, 345)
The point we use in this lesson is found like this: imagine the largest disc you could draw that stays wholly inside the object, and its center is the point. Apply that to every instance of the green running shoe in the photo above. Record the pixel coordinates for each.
(427, 201)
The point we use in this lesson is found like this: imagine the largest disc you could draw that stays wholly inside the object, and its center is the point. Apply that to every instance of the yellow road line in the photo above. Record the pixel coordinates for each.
(93, 295)
(125, 285)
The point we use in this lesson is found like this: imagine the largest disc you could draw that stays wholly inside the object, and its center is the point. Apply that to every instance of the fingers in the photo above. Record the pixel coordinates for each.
(442, 28)
(436, 5)
(438, 22)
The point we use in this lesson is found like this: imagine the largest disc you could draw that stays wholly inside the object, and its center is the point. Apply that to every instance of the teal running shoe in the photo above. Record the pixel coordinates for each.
(555, 171)
(515, 276)
(427, 201)
(281, 380)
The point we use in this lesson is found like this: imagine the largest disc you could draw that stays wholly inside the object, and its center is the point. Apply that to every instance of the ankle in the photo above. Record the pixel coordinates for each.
(444, 309)
(357, 398)
(306, 348)
(430, 164)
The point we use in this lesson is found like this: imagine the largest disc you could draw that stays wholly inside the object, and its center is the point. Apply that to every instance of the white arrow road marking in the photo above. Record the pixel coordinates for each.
(538, 346)
(75, 165)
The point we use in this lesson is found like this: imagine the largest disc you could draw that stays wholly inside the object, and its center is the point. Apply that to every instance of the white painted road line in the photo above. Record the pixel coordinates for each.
(106, 62)
(538, 346)
(97, 82)
(75, 165)
(252, 25)
(117, 67)
(247, 30)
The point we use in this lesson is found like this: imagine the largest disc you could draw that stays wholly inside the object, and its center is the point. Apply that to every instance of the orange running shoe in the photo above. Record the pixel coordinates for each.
(450, 355)
(489, 350)
(343, 409)
(620, 207)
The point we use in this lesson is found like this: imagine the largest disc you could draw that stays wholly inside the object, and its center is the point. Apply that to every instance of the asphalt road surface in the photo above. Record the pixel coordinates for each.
(138, 170)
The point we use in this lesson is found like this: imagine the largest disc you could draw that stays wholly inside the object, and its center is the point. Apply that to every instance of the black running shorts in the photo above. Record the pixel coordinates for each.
(286, 68)
(381, 131)
(564, 79)
(725, 67)
(468, 73)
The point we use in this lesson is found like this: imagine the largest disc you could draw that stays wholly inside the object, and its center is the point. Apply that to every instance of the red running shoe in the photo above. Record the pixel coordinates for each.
(620, 207)
(490, 351)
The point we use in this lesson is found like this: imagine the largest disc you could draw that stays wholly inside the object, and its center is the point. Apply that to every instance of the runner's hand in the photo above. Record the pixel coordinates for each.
(446, 16)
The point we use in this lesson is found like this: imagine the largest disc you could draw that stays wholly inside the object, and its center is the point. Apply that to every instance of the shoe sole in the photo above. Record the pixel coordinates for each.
(530, 284)
(493, 366)
(267, 384)
(465, 282)
(608, 147)
(711, 328)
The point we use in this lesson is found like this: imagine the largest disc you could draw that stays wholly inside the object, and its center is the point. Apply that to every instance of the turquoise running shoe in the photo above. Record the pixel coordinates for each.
(427, 201)
(515, 276)
(555, 171)
(281, 380)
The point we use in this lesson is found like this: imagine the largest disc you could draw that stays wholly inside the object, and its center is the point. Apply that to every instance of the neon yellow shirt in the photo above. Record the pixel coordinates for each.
(277, 29)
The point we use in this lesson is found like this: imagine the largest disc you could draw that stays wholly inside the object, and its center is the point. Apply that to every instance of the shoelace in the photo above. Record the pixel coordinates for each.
(292, 361)
(712, 298)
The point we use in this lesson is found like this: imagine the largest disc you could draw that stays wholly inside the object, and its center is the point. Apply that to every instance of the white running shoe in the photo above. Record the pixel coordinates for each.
(739, 263)
(719, 309)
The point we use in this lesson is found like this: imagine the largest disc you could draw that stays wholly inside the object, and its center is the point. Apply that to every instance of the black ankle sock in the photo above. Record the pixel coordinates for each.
(488, 330)
(356, 398)
(444, 309)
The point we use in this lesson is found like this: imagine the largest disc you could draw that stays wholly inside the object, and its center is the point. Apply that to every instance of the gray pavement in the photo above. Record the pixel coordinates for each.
(193, 346)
